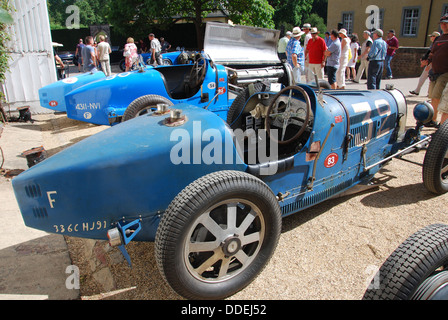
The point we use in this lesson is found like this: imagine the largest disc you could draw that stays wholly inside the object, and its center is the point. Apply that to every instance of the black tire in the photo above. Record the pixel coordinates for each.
(234, 118)
(435, 166)
(416, 269)
(203, 255)
(123, 65)
(143, 105)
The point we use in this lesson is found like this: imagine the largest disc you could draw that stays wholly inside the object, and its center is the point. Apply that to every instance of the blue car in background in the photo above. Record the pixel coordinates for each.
(212, 192)
(210, 79)
(168, 59)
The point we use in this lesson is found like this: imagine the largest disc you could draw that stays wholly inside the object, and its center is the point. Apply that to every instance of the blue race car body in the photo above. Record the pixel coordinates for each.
(212, 193)
(105, 102)
(53, 96)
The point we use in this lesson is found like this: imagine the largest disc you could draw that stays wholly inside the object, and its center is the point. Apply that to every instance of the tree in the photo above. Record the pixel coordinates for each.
(137, 15)
(291, 12)
(5, 19)
(91, 12)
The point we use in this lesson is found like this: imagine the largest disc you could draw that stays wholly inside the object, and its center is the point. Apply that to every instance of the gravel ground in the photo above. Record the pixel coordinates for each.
(328, 252)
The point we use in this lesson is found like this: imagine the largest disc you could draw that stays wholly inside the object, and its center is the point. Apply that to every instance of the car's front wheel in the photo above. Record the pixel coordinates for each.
(217, 235)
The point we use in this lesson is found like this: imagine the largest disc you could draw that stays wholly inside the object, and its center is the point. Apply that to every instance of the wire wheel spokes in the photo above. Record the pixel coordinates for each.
(224, 241)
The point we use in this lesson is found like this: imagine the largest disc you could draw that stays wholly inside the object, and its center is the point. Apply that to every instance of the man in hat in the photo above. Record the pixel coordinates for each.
(282, 43)
(295, 54)
(316, 53)
(392, 47)
(376, 58)
(439, 73)
(306, 29)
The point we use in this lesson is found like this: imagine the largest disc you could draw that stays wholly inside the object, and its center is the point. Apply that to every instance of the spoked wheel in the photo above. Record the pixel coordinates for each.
(287, 113)
(144, 105)
(435, 166)
(217, 235)
(416, 270)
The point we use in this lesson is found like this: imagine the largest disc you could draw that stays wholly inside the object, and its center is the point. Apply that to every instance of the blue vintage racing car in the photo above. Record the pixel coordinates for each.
(211, 193)
(53, 95)
(233, 58)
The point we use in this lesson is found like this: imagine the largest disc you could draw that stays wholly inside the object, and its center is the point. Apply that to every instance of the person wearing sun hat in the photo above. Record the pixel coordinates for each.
(295, 54)
(316, 53)
(306, 29)
(345, 51)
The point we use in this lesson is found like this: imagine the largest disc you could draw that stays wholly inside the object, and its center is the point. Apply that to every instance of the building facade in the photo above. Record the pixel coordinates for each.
(412, 20)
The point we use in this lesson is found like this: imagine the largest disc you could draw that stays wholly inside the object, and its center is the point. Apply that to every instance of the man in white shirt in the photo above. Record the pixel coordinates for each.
(156, 48)
(103, 55)
(282, 44)
(307, 28)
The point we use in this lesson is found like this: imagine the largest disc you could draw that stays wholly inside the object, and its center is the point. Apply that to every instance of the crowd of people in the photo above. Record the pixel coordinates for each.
(342, 58)
(92, 56)
(338, 55)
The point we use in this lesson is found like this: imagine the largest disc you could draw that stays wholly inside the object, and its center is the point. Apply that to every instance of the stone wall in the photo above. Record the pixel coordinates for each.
(406, 62)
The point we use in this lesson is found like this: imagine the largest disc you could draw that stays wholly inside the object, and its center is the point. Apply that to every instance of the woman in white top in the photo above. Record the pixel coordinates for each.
(354, 46)
(343, 61)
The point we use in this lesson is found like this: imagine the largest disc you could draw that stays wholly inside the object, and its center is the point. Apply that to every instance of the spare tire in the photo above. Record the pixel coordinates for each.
(143, 105)
(234, 118)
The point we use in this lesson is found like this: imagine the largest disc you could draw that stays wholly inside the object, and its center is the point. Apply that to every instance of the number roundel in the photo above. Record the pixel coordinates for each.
(331, 160)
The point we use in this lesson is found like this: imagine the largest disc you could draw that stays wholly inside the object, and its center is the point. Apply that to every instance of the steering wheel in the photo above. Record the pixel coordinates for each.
(197, 74)
(287, 116)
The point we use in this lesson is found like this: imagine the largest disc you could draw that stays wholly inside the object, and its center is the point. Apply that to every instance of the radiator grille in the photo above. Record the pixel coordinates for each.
(33, 191)
(315, 198)
(40, 213)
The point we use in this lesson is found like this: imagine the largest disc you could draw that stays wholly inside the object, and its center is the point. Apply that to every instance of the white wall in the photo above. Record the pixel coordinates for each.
(32, 66)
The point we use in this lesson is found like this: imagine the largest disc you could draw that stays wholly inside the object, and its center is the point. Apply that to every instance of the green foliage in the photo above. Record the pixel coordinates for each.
(91, 12)
(291, 12)
(5, 9)
(316, 21)
(134, 16)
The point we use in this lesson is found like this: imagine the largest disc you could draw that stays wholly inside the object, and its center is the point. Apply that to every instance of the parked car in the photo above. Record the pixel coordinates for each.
(168, 59)
(210, 79)
(52, 96)
(211, 193)
(66, 56)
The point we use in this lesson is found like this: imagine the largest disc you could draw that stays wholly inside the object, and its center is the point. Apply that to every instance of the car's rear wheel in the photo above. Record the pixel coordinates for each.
(217, 235)
(416, 270)
(144, 105)
(435, 166)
